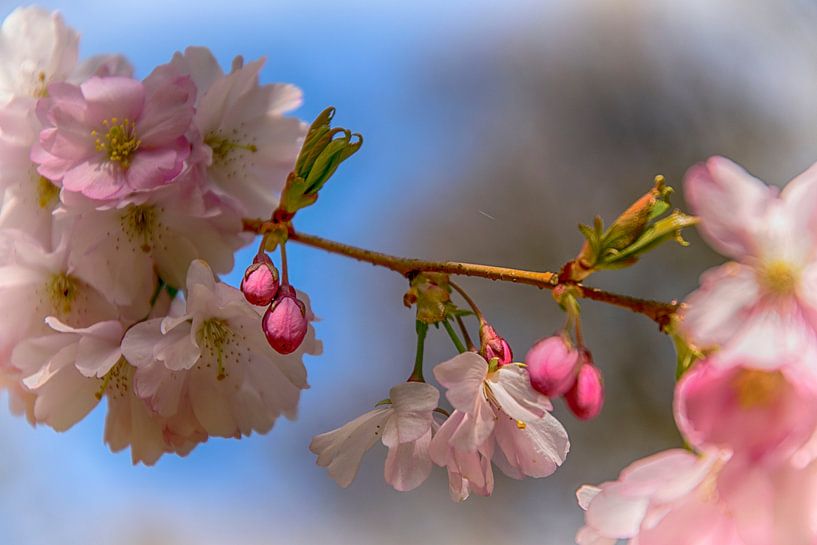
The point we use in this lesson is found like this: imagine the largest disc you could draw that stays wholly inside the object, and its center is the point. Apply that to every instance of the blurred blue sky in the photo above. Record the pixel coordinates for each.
(368, 59)
(433, 85)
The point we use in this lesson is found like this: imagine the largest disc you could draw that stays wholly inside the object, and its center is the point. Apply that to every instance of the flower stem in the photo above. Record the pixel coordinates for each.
(468, 342)
(284, 267)
(454, 338)
(468, 300)
(658, 311)
(417, 372)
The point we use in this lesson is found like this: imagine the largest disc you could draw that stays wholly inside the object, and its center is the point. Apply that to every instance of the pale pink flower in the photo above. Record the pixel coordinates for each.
(763, 305)
(213, 353)
(121, 249)
(404, 425)
(665, 499)
(35, 284)
(36, 49)
(676, 497)
(249, 144)
(752, 412)
(495, 406)
(112, 136)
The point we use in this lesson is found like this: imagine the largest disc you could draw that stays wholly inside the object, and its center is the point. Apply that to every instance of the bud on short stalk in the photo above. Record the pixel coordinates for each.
(494, 346)
(260, 282)
(552, 365)
(586, 397)
(285, 321)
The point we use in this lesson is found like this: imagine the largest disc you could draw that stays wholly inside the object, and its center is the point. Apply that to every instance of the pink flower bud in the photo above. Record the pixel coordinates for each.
(285, 322)
(552, 366)
(586, 397)
(260, 282)
(494, 346)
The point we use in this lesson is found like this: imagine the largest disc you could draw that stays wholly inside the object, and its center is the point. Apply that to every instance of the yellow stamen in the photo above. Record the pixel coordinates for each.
(62, 290)
(758, 389)
(779, 277)
(140, 222)
(47, 192)
(119, 141)
(213, 335)
(222, 147)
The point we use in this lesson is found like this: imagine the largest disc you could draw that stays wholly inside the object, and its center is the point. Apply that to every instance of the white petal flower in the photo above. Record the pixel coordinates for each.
(250, 146)
(404, 425)
(214, 356)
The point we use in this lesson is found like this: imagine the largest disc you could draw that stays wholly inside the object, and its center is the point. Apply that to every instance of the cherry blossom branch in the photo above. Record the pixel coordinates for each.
(658, 311)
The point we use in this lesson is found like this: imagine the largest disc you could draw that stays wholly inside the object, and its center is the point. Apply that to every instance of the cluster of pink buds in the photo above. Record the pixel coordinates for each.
(285, 322)
(556, 368)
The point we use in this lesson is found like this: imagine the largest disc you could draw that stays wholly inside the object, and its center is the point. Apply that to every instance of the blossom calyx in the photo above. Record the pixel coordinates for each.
(432, 295)
(324, 149)
(586, 397)
(640, 228)
(260, 282)
(285, 322)
(553, 366)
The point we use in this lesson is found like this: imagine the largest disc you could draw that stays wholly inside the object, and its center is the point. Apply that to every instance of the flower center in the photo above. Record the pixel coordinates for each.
(779, 277)
(119, 141)
(62, 290)
(758, 389)
(117, 379)
(139, 222)
(213, 335)
(222, 147)
(47, 192)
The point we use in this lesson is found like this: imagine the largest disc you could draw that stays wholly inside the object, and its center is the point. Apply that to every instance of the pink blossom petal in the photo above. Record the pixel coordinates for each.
(730, 202)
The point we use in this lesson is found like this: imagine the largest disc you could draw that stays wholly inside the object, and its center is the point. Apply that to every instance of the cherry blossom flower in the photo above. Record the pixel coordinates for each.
(249, 144)
(752, 412)
(404, 425)
(37, 284)
(676, 497)
(213, 355)
(111, 136)
(36, 48)
(495, 406)
(764, 304)
(664, 499)
(119, 248)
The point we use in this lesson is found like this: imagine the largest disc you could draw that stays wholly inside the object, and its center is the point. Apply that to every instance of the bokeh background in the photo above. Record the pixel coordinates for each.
(492, 129)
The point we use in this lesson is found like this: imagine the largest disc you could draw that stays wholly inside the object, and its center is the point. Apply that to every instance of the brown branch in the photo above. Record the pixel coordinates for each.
(657, 311)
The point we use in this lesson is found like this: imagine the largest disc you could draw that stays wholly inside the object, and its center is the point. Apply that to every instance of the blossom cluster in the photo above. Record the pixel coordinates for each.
(122, 200)
(748, 406)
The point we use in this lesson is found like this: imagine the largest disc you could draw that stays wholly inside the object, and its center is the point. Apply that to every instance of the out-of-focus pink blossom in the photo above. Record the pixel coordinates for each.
(285, 322)
(260, 282)
(764, 304)
(552, 366)
(751, 412)
(111, 136)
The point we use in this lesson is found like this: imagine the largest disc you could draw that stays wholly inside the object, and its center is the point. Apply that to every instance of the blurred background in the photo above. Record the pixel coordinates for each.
(492, 129)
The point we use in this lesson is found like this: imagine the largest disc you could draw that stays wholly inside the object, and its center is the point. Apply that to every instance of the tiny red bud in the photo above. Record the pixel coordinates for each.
(586, 397)
(260, 282)
(494, 346)
(552, 366)
(285, 323)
